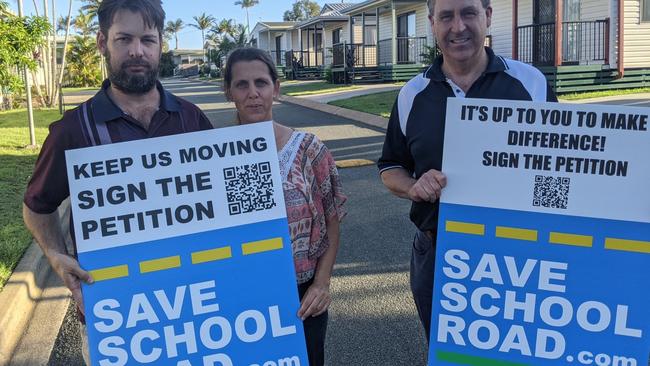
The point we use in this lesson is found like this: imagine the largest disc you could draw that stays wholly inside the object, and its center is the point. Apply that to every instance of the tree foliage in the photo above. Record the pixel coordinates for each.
(203, 23)
(174, 27)
(90, 7)
(83, 63)
(85, 24)
(19, 39)
(302, 10)
(167, 64)
(245, 4)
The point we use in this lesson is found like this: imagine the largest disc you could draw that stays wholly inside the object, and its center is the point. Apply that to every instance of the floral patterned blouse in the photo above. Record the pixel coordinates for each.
(312, 194)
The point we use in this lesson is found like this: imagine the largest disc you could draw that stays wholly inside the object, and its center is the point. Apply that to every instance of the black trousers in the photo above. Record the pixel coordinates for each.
(315, 331)
(423, 258)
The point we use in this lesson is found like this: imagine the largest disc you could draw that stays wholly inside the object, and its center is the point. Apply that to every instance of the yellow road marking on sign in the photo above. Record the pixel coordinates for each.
(465, 228)
(160, 264)
(261, 246)
(637, 246)
(516, 233)
(571, 239)
(211, 255)
(110, 273)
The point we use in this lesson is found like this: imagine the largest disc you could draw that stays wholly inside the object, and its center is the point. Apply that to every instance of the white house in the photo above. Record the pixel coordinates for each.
(579, 44)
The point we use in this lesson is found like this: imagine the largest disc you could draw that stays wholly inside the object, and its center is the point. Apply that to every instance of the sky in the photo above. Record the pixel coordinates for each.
(266, 10)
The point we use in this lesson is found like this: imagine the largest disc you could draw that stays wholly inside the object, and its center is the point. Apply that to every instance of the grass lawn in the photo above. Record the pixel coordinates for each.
(603, 93)
(379, 103)
(314, 88)
(16, 165)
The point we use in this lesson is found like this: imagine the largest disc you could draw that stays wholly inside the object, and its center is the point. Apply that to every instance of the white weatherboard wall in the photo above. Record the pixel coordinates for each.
(263, 41)
(637, 36)
(422, 27)
(501, 29)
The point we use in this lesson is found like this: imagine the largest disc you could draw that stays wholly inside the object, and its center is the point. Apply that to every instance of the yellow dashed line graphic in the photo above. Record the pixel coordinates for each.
(571, 239)
(636, 246)
(465, 228)
(516, 233)
(261, 246)
(160, 264)
(211, 255)
(110, 273)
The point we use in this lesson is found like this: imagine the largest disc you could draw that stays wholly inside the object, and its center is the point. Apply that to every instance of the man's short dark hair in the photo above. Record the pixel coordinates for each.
(432, 4)
(151, 11)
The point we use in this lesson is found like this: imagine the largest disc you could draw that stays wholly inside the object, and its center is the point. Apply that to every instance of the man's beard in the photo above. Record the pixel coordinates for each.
(132, 83)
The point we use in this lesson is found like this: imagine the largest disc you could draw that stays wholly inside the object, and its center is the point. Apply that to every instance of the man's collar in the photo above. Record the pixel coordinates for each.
(104, 109)
(495, 64)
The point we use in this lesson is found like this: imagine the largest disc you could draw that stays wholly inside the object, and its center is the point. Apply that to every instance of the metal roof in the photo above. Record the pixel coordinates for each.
(335, 8)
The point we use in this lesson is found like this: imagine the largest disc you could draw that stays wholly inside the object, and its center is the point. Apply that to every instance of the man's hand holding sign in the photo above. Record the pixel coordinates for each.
(188, 268)
(539, 266)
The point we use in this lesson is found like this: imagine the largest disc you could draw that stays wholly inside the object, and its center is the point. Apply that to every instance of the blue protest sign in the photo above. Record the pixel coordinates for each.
(543, 236)
(187, 239)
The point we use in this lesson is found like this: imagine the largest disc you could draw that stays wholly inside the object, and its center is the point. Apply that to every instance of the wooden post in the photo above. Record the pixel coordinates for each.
(377, 36)
(515, 31)
(393, 47)
(558, 32)
(363, 37)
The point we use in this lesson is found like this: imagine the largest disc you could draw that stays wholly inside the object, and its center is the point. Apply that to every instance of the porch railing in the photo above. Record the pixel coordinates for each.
(410, 50)
(583, 42)
(354, 55)
(302, 59)
(278, 57)
(361, 55)
(338, 55)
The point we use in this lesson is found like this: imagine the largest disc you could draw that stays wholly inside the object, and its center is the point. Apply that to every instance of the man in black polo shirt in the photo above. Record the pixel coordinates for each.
(410, 165)
(131, 105)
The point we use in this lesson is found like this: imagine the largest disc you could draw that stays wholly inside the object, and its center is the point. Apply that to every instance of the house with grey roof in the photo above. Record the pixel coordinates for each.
(275, 38)
(579, 45)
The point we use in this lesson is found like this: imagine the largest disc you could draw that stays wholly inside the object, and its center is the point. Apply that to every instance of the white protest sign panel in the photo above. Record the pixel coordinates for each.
(543, 235)
(187, 239)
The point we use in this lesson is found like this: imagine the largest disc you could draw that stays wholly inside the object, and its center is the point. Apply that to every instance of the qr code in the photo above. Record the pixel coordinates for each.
(551, 192)
(249, 188)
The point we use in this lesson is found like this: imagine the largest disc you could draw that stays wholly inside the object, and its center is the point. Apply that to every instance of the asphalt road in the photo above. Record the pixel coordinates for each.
(372, 318)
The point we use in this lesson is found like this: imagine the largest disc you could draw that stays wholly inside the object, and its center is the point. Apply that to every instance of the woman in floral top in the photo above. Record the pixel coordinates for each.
(312, 190)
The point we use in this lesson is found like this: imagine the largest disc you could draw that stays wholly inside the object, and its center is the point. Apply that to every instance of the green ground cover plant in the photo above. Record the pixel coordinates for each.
(16, 165)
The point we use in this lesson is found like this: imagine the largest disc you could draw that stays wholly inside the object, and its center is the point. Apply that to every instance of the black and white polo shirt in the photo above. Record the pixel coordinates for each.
(414, 138)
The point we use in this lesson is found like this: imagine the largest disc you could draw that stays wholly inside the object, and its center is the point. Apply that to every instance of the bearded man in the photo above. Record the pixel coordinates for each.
(131, 105)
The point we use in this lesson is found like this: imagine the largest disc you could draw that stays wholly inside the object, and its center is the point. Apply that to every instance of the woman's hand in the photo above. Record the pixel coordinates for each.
(316, 300)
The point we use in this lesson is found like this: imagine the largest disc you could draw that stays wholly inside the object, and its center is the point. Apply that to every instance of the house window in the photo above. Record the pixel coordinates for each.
(370, 35)
(406, 25)
(645, 11)
(336, 36)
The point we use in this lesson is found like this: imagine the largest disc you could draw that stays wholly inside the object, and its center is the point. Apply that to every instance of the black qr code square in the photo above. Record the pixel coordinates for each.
(551, 192)
(249, 188)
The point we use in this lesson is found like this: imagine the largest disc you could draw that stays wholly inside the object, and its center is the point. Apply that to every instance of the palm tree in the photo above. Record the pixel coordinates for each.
(83, 60)
(4, 7)
(224, 27)
(245, 4)
(85, 24)
(240, 36)
(62, 24)
(174, 27)
(203, 22)
(90, 7)
(213, 41)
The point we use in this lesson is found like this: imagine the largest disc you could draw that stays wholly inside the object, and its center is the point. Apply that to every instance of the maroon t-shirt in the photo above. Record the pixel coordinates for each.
(48, 186)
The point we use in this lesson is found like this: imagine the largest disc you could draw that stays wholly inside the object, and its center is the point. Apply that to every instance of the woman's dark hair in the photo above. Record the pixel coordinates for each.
(151, 11)
(248, 54)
